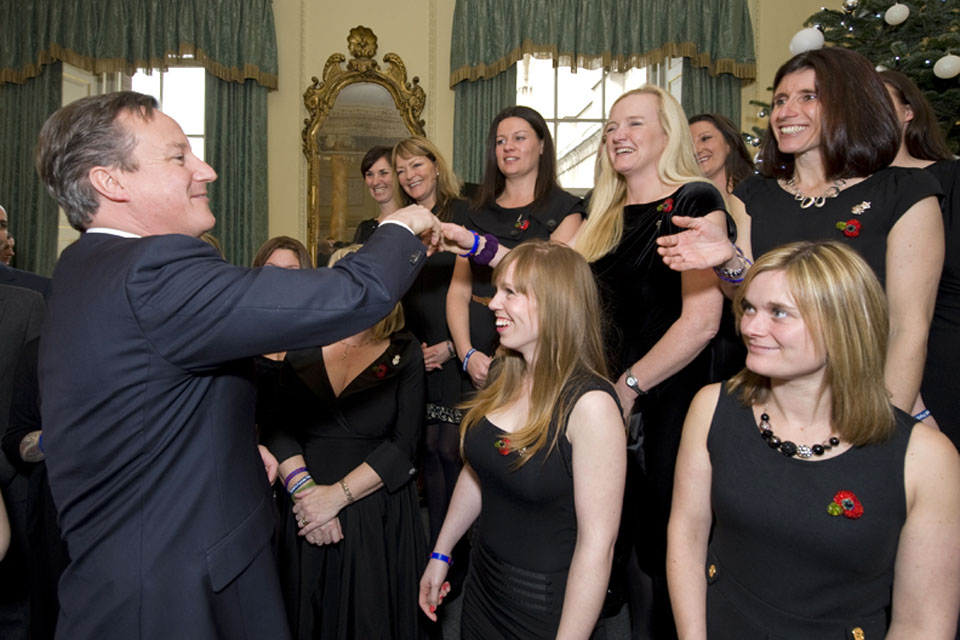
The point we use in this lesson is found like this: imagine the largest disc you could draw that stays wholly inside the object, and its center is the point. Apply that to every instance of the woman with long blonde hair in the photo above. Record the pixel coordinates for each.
(545, 461)
(661, 322)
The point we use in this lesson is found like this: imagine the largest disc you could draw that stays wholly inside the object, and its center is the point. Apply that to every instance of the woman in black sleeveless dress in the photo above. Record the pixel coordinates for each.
(545, 461)
(806, 505)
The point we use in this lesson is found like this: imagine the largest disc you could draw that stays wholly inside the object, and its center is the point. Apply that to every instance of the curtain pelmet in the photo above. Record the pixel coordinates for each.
(490, 36)
(235, 40)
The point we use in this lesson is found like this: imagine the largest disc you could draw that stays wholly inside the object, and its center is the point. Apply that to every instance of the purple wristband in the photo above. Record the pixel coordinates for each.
(489, 250)
(286, 481)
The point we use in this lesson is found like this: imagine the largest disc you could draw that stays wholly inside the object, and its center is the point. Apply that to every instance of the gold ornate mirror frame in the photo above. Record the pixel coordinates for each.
(320, 97)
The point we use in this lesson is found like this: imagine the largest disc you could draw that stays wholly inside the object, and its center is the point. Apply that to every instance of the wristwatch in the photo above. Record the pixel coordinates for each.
(634, 384)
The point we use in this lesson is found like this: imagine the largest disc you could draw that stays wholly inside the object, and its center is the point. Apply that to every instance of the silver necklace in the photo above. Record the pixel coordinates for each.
(813, 201)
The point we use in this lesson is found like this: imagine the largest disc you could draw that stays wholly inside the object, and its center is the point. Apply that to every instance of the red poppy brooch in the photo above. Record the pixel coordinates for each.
(666, 206)
(380, 370)
(847, 504)
(850, 228)
(503, 446)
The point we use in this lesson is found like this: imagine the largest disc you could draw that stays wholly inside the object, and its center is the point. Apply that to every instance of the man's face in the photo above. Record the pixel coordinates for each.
(168, 191)
(3, 227)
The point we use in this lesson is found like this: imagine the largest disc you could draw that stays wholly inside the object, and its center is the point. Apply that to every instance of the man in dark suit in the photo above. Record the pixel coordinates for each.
(21, 312)
(17, 277)
(147, 397)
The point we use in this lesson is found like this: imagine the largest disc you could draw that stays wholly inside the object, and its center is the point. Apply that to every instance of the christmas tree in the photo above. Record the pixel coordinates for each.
(910, 38)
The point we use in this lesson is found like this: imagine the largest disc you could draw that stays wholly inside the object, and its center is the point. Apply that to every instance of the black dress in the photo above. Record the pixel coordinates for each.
(641, 298)
(779, 565)
(535, 221)
(866, 212)
(525, 535)
(365, 586)
(940, 392)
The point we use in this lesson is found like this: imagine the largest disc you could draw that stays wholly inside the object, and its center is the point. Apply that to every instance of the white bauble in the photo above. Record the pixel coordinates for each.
(807, 39)
(947, 67)
(897, 14)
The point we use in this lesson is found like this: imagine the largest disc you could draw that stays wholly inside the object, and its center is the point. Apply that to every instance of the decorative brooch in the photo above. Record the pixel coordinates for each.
(858, 209)
(380, 370)
(666, 206)
(521, 223)
(851, 228)
(396, 360)
(502, 446)
(847, 504)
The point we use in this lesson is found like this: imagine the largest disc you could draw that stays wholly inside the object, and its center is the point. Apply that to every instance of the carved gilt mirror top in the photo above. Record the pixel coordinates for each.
(350, 110)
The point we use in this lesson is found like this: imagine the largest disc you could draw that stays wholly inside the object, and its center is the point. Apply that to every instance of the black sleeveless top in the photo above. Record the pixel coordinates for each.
(776, 547)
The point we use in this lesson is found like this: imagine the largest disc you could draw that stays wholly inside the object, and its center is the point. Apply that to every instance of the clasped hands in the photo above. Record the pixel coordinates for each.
(436, 235)
(316, 509)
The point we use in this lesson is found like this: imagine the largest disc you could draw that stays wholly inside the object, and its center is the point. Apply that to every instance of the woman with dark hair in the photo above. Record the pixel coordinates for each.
(806, 505)
(284, 252)
(519, 199)
(721, 153)
(924, 146)
(545, 457)
(824, 175)
(377, 173)
(346, 436)
(424, 176)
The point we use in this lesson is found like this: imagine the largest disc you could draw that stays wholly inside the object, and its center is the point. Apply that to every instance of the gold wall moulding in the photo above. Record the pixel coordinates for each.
(350, 110)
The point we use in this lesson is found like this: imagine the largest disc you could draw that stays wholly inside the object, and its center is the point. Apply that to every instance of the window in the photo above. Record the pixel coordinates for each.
(180, 92)
(575, 105)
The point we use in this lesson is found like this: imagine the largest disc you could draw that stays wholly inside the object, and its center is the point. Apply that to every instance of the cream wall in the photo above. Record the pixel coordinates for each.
(308, 32)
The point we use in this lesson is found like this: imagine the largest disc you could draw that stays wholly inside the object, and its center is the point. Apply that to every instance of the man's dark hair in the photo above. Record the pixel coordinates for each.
(83, 135)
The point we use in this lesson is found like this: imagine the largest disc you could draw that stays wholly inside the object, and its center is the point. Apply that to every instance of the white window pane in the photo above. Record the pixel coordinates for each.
(620, 83)
(579, 94)
(196, 145)
(148, 84)
(183, 97)
(577, 144)
(535, 85)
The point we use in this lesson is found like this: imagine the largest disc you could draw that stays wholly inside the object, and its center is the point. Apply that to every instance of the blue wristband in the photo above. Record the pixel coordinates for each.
(302, 481)
(476, 243)
(923, 415)
(441, 558)
(466, 359)
(40, 443)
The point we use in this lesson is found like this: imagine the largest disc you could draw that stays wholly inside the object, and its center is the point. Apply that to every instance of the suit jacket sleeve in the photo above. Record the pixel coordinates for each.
(200, 311)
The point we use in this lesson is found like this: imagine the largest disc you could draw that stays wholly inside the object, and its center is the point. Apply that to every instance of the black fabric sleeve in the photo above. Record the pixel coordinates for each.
(394, 460)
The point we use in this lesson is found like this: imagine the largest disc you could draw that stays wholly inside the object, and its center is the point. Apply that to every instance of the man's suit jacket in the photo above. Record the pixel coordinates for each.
(21, 312)
(24, 279)
(148, 407)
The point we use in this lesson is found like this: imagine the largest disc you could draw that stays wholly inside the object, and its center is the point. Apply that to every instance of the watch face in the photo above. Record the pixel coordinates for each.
(631, 381)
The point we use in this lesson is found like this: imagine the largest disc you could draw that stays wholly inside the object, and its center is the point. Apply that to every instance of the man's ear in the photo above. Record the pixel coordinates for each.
(106, 181)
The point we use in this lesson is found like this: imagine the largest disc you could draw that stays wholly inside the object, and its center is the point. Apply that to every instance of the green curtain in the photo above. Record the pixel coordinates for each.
(233, 39)
(31, 211)
(477, 103)
(702, 93)
(236, 146)
(490, 36)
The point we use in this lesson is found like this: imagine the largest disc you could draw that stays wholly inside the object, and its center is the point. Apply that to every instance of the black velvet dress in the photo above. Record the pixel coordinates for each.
(641, 298)
(365, 586)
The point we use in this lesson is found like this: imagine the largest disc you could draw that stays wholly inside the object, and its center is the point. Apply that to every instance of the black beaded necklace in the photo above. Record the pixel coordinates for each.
(787, 447)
